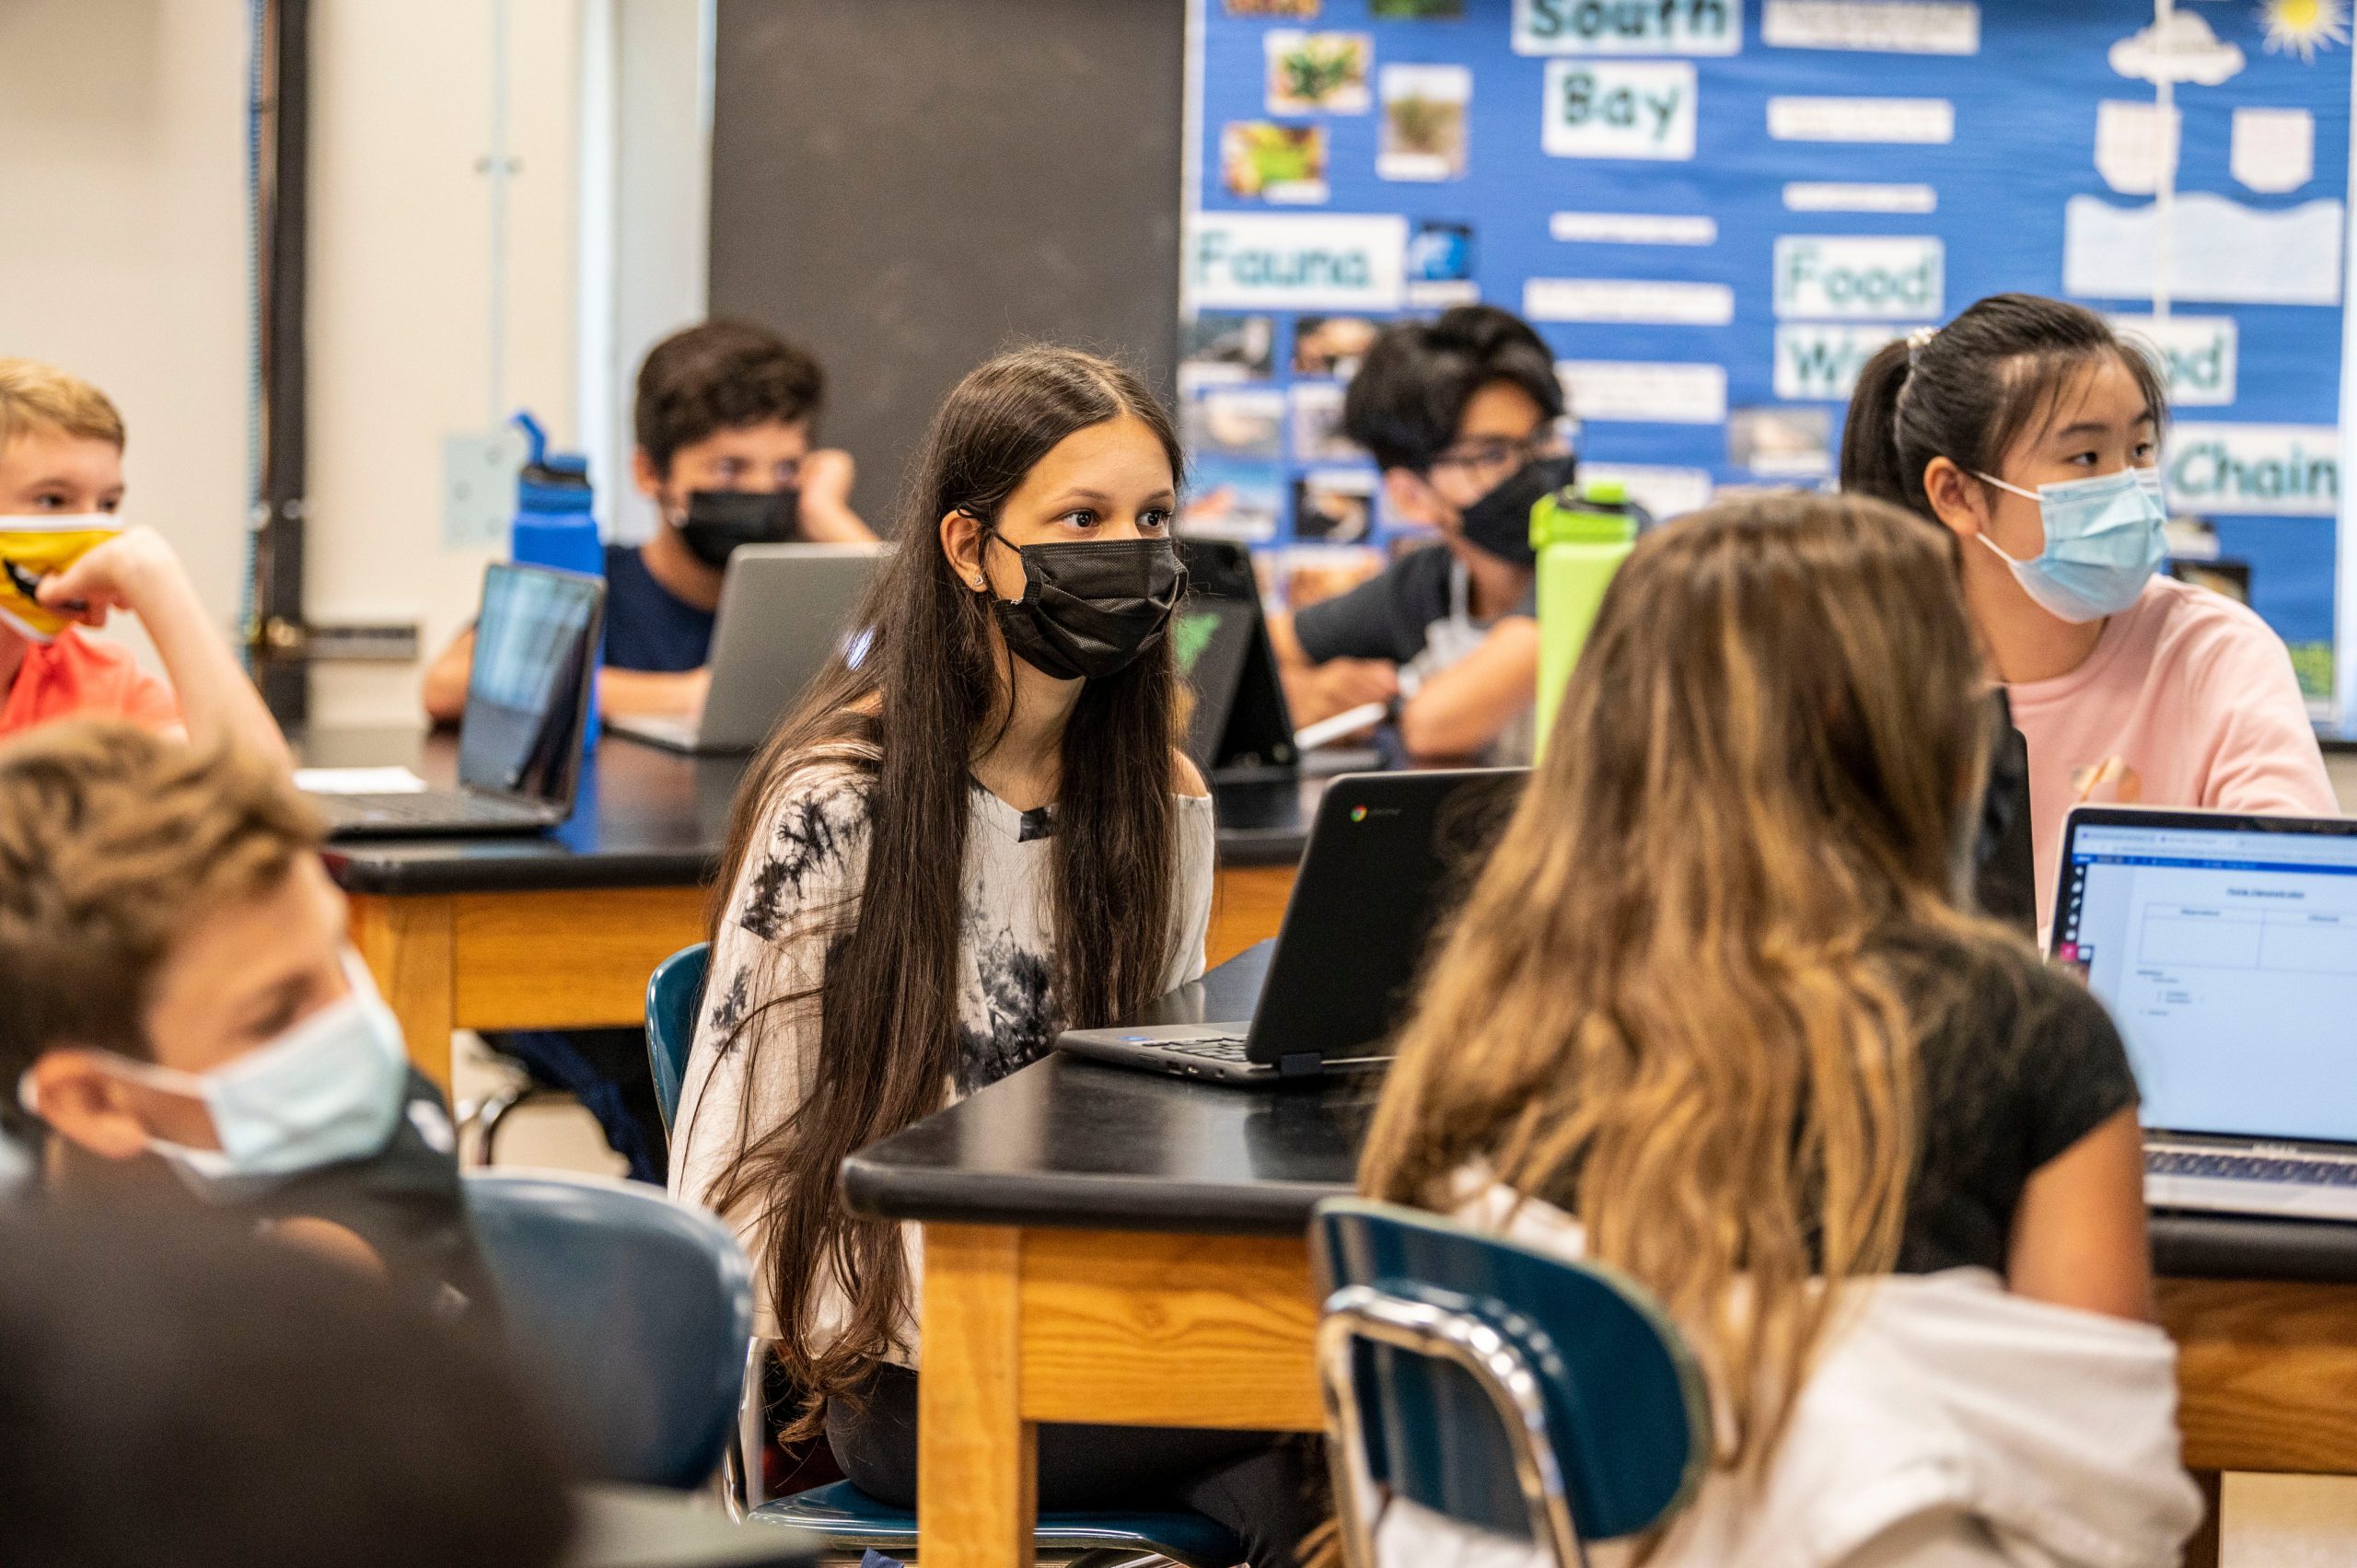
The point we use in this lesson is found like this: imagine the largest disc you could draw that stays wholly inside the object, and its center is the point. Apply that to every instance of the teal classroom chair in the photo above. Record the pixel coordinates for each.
(672, 994)
(634, 1311)
(1540, 1400)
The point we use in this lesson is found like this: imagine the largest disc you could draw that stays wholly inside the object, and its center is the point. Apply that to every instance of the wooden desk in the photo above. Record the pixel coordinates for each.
(1106, 1246)
(561, 930)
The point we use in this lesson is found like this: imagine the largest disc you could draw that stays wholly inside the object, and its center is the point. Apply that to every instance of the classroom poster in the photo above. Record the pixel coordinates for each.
(1715, 210)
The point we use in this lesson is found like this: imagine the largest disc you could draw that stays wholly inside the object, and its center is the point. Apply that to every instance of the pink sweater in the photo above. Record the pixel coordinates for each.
(2194, 697)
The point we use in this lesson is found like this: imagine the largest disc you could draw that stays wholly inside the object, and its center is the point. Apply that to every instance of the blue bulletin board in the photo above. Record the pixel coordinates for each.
(1715, 210)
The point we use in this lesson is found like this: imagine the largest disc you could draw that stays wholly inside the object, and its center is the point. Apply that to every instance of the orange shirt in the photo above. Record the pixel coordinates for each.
(77, 677)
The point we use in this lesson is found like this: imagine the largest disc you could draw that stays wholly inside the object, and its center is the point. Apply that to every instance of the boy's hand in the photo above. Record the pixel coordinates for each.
(827, 517)
(131, 571)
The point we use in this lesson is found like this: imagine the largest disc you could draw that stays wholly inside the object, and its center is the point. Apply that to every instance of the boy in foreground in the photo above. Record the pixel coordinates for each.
(185, 1022)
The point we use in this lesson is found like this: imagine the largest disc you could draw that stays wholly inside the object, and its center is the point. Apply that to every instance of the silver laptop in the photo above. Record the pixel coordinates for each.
(784, 609)
(2226, 947)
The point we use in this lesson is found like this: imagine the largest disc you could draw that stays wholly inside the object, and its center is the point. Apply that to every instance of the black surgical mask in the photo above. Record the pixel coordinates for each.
(1499, 523)
(717, 521)
(1090, 607)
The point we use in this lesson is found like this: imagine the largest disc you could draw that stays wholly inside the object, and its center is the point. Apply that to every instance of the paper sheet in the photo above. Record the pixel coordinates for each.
(357, 780)
(2274, 150)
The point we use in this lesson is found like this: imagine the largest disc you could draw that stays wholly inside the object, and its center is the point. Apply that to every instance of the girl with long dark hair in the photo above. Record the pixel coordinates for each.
(2031, 430)
(973, 832)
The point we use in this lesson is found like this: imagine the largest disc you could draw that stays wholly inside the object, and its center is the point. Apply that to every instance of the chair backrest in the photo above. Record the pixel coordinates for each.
(1507, 1388)
(633, 1310)
(672, 994)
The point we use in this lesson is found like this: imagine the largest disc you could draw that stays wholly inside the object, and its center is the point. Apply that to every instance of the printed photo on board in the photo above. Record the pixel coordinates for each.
(1334, 508)
(1318, 73)
(1262, 161)
(1318, 434)
(1226, 345)
(1423, 122)
(1237, 422)
(1331, 345)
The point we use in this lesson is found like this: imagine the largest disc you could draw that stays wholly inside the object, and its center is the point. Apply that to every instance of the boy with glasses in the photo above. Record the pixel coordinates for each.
(1467, 419)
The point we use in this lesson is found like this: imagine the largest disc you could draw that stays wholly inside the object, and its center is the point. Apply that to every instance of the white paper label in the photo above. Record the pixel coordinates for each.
(1629, 300)
(2220, 251)
(1890, 26)
(2274, 150)
(1820, 363)
(2135, 146)
(1852, 279)
(1619, 390)
(2197, 354)
(1628, 26)
(1633, 228)
(1925, 121)
(1664, 492)
(1827, 196)
(1640, 109)
(2280, 470)
(1293, 262)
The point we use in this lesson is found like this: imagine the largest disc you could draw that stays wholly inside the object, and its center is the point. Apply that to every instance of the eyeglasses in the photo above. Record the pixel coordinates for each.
(1500, 455)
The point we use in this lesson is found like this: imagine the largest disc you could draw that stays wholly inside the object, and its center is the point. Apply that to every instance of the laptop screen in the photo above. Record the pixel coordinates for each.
(2226, 952)
(535, 641)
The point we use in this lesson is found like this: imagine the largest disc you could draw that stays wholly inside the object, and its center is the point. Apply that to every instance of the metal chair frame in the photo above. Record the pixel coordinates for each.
(1496, 1365)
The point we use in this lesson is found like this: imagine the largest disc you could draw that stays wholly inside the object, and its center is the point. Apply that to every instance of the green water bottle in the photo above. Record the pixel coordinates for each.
(1582, 536)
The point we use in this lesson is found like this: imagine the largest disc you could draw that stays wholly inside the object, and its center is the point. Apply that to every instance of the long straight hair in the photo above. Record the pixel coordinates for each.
(1662, 1008)
(924, 698)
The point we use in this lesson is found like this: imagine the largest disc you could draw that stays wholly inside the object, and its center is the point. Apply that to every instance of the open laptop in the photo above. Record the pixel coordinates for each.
(527, 703)
(1240, 726)
(2226, 947)
(784, 608)
(1387, 855)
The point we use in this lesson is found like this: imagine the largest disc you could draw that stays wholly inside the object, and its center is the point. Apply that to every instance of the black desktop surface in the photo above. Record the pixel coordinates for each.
(1076, 1144)
(648, 817)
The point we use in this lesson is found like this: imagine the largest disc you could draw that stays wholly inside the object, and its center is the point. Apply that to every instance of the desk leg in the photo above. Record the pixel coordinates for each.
(977, 1459)
(409, 945)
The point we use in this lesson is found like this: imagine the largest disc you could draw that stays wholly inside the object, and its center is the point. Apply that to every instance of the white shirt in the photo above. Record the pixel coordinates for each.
(803, 881)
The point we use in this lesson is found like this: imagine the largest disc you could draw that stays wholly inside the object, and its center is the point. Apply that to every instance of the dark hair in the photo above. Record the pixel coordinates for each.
(1409, 394)
(913, 713)
(183, 1393)
(113, 842)
(718, 375)
(1968, 391)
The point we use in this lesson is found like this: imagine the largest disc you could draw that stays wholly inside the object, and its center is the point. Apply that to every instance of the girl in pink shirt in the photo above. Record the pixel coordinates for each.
(2030, 431)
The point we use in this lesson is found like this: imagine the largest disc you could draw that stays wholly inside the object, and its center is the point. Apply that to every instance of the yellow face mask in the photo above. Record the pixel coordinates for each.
(33, 547)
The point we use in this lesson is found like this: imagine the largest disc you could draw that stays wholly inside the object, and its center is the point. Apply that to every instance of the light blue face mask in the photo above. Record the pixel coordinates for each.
(328, 1089)
(2105, 538)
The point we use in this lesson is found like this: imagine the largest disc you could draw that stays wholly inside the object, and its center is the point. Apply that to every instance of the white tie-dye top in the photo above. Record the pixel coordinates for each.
(803, 879)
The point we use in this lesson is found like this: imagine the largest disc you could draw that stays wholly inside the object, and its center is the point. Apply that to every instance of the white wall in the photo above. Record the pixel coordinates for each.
(123, 154)
(401, 282)
(122, 149)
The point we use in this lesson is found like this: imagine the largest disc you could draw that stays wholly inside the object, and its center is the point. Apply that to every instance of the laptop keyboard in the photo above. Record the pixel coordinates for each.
(2317, 1170)
(424, 809)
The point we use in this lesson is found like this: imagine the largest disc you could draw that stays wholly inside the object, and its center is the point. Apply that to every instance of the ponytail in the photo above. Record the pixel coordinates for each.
(1869, 464)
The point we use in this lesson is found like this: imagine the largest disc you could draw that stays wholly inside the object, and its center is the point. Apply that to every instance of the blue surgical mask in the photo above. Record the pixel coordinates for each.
(2105, 538)
(330, 1089)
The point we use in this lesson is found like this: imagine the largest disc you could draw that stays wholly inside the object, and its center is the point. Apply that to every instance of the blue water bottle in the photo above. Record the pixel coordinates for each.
(554, 525)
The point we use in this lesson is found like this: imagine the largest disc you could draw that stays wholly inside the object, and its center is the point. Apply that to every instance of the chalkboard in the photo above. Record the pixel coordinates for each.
(906, 186)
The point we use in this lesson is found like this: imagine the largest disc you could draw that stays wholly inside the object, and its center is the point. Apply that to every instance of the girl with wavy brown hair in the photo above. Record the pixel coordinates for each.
(1718, 1014)
(975, 831)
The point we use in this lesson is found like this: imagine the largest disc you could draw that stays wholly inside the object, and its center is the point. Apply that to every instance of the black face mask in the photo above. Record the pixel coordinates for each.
(1499, 523)
(1090, 607)
(717, 521)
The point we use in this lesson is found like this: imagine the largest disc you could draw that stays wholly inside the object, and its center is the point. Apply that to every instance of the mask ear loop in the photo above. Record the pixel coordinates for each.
(985, 530)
